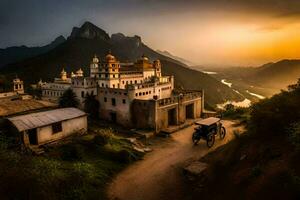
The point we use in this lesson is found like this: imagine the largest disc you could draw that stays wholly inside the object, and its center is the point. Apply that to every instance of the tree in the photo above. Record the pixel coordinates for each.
(91, 105)
(68, 99)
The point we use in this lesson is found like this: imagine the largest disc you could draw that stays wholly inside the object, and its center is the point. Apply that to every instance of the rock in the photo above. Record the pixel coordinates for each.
(196, 168)
(243, 157)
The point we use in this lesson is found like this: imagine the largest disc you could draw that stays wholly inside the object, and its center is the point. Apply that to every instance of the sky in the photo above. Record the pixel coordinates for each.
(212, 33)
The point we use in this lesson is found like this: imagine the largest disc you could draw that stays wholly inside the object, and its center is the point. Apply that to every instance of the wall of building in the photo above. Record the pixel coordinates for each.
(121, 107)
(160, 114)
(82, 87)
(69, 127)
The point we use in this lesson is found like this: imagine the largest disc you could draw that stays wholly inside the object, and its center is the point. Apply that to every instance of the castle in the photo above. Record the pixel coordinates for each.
(131, 94)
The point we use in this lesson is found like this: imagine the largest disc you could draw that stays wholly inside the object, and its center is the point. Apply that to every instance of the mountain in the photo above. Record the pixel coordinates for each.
(89, 31)
(88, 40)
(168, 54)
(18, 53)
(277, 75)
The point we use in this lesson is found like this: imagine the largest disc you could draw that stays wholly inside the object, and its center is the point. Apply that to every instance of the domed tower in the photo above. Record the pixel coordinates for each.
(94, 67)
(18, 86)
(157, 67)
(143, 62)
(79, 73)
(63, 75)
(109, 72)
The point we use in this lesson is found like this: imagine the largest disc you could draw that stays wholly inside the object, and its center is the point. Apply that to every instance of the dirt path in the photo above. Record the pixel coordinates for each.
(158, 176)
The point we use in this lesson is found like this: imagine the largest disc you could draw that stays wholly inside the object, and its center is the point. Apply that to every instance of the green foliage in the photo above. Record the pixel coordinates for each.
(91, 106)
(68, 99)
(274, 115)
(72, 152)
(294, 135)
(232, 112)
(78, 169)
(103, 136)
(5, 84)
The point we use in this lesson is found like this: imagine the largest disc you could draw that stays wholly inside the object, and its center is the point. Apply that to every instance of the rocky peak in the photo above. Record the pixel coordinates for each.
(134, 41)
(60, 39)
(89, 31)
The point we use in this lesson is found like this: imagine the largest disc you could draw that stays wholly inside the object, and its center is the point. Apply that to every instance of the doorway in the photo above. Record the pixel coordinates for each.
(32, 134)
(172, 117)
(113, 117)
(189, 111)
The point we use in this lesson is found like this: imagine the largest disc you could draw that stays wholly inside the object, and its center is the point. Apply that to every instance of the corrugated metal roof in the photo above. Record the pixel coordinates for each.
(208, 121)
(39, 119)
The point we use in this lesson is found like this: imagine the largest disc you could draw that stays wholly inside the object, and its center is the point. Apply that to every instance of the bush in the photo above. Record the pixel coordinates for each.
(103, 136)
(294, 135)
(72, 152)
(274, 115)
(123, 156)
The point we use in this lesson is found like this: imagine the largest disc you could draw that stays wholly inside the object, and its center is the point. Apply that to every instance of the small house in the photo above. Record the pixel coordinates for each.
(44, 127)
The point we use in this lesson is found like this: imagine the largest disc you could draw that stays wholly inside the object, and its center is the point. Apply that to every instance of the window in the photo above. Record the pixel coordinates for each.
(113, 101)
(82, 94)
(136, 94)
(56, 127)
(102, 84)
(92, 92)
(106, 75)
(113, 85)
(124, 101)
(114, 76)
(135, 81)
(105, 99)
(123, 82)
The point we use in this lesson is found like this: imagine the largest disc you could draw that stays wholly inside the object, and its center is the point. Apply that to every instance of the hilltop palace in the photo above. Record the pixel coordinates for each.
(131, 94)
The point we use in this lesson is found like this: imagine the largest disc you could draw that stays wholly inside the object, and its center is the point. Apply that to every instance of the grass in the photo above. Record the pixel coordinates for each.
(77, 169)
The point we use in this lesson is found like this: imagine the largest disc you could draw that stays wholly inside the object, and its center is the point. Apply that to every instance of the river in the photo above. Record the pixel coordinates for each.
(245, 103)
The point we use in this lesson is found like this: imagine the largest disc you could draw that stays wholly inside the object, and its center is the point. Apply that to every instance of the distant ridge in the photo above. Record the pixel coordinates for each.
(88, 40)
(18, 53)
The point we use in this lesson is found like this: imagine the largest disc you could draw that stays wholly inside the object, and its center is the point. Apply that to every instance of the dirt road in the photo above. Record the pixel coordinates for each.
(158, 176)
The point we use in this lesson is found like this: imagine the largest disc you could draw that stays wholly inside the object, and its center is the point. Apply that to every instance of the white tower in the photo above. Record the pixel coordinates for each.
(94, 67)
(157, 67)
(18, 86)
(109, 72)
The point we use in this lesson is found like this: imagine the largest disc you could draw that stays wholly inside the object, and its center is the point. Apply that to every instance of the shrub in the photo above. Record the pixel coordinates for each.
(123, 156)
(72, 152)
(103, 136)
(294, 135)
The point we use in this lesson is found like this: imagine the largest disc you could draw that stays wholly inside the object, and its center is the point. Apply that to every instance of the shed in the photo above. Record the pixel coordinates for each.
(43, 127)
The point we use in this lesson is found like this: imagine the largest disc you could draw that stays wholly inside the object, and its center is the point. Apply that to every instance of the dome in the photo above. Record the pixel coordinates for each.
(110, 57)
(79, 71)
(145, 58)
(63, 72)
(95, 59)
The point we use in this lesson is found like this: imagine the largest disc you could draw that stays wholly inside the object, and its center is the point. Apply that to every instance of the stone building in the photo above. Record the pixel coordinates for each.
(138, 95)
(125, 89)
(53, 90)
(44, 127)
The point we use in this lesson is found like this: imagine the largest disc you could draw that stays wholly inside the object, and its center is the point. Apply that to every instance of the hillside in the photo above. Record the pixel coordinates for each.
(277, 75)
(262, 163)
(168, 54)
(89, 40)
(14, 54)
